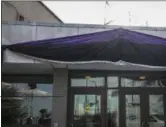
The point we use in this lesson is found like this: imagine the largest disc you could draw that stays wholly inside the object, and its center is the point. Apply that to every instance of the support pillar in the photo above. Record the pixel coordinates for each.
(59, 106)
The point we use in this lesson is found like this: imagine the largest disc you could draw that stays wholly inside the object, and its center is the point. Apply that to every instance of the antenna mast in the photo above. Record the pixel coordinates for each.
(105, 18)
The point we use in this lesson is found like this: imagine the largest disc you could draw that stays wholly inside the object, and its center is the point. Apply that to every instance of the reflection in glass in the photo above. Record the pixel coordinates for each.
(113, 108)
(112, 81)
(88, 82)
(87, 110)
(128, 82)
(156, 111)
(26, 106)
(132, 110)
(13, 108)
(33, 89)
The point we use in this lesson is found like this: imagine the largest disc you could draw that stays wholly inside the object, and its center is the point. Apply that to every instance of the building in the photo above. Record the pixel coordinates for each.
(91, 94)
(33, 11)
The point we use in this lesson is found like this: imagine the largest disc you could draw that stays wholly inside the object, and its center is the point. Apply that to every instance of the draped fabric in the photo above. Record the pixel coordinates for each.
(113, 45)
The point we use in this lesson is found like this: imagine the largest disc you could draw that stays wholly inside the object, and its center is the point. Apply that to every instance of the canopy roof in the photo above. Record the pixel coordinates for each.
(113, 45)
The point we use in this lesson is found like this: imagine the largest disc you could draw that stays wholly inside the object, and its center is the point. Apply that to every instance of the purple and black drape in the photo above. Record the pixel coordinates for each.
(113, 45)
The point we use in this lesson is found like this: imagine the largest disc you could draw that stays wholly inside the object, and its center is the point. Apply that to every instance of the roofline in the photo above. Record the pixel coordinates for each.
(71, 25)
(50, 11)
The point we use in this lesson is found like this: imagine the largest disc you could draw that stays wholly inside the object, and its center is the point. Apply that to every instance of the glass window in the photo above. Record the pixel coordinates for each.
(128, 82)
(156, 104)
(25, 89)
(23, 110)
(24, 104)
(156, 111)
(87, 110)
(88, 82)
(112, 81)
(45, 89)
(18, 87)
(113, 108)
(132, 110)
(86, 104)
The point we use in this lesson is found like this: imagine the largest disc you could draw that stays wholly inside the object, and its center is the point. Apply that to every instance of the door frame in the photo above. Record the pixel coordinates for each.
(144, 102)
(88, 91)
(105, 74)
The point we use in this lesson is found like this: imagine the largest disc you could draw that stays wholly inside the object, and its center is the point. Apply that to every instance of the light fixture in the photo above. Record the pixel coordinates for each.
(142, 77)
(88, 77)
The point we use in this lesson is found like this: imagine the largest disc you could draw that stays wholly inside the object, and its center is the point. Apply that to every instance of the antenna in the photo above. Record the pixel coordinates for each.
(106, 23)
(129, 17)
(146, 23)
(105, 18)
(106, 3)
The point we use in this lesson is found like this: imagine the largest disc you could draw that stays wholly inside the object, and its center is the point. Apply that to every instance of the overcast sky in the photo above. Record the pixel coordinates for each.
(152, 13)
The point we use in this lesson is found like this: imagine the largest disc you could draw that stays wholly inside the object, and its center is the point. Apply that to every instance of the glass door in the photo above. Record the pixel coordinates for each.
(86, 109)
(133, 112)
(143, 107)
(130, 110)
(156, 110)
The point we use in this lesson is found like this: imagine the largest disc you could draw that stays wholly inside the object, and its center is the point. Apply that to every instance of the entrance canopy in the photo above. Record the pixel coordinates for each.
(108, 46)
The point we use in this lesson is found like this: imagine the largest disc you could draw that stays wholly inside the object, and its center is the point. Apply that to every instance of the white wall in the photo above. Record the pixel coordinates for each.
(22, 32)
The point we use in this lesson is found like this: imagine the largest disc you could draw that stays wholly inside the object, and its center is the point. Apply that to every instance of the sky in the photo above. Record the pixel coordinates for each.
(134, 13)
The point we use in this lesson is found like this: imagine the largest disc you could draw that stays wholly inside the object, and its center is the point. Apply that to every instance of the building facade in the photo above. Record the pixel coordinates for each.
(90, 95)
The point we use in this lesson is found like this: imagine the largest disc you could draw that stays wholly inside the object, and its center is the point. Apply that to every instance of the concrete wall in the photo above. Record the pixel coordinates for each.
(30, 10)
(59, 110)
(28, 31)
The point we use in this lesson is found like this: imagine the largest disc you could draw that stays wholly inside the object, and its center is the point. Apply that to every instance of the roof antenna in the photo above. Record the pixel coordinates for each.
(107, 2)
(129, 18)
(105, 18)
(146, 23)
(105, 11)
